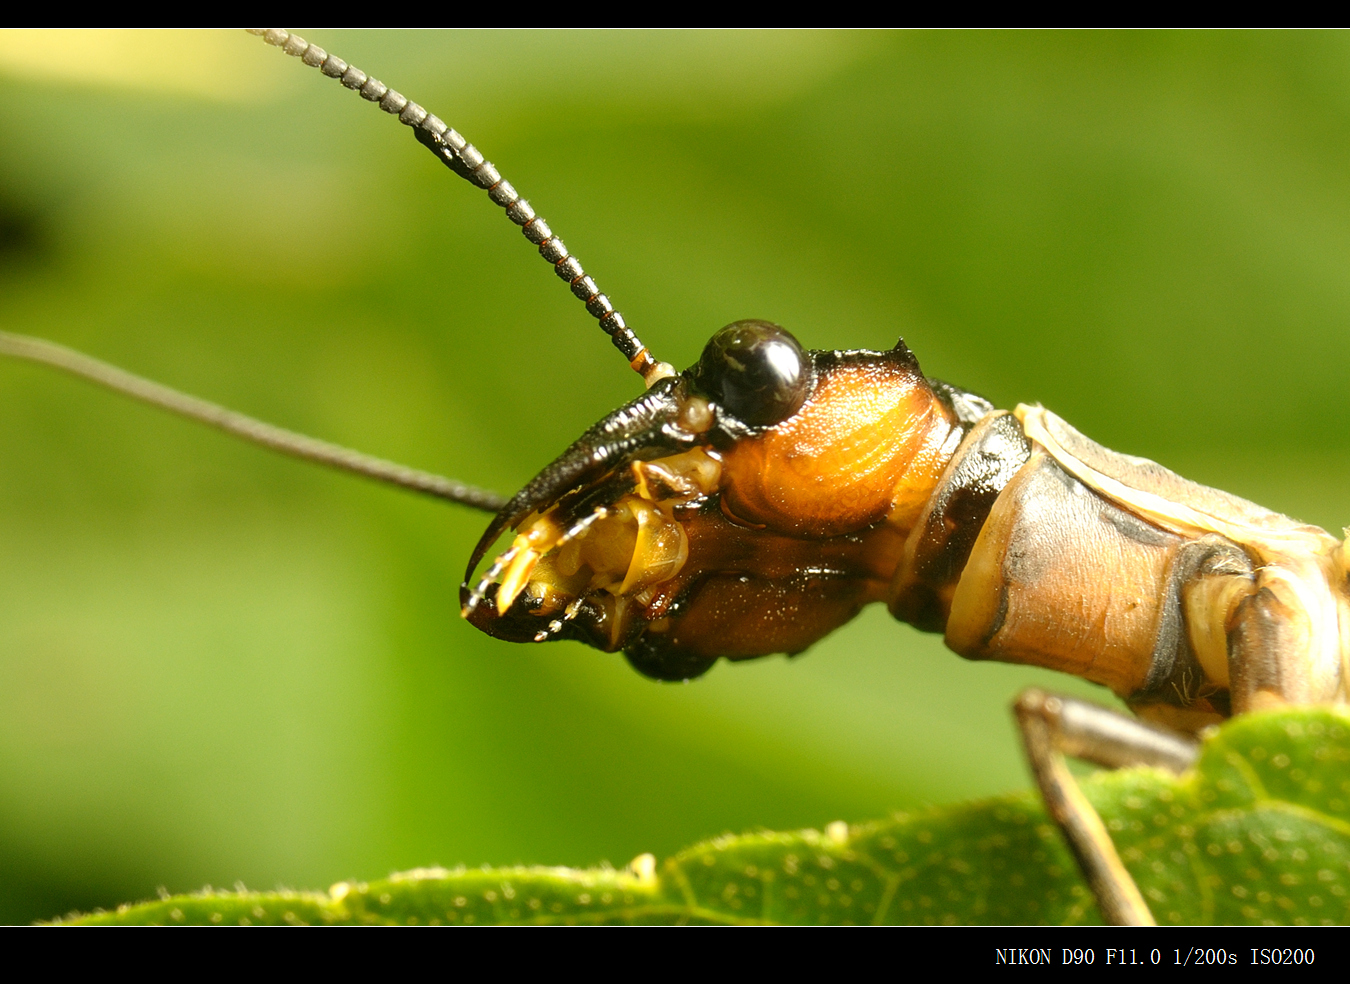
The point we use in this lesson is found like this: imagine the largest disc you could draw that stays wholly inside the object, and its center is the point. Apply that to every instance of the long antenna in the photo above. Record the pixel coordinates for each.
(465, 160)
(240, 425)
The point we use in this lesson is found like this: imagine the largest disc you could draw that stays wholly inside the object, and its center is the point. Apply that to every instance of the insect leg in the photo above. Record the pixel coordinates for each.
(1053, 726)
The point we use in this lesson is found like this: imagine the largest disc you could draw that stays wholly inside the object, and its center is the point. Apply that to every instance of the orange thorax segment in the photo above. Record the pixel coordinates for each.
(870, 442)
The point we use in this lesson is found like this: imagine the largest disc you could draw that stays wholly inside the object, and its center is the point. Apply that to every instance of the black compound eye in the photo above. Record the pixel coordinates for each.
(756, 371)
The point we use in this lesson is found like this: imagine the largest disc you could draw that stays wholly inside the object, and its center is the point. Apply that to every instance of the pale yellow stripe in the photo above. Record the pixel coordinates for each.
(221, 65)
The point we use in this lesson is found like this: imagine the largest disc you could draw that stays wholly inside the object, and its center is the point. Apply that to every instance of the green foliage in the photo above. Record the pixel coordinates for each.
(1258, 832)
(216, 664)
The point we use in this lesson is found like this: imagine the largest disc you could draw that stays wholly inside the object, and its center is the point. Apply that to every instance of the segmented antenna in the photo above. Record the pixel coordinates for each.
(465, 160)
(240, 425)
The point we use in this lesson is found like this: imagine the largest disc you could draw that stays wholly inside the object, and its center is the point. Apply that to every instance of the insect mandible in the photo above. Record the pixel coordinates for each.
(607, 280)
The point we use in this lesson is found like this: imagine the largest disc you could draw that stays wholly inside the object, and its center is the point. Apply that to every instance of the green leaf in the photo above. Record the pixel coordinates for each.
(1258, 832)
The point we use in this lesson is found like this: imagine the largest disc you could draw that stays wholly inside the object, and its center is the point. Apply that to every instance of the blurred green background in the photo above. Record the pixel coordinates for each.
(219, 665)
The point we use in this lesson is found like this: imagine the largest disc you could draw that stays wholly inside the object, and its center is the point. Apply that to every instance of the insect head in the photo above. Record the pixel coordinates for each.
(749, 505)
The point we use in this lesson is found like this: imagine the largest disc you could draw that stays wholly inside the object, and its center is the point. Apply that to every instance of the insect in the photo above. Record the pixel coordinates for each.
(609, 277)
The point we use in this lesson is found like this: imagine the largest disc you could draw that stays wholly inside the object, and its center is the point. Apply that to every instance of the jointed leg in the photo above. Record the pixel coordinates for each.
(1054, 726)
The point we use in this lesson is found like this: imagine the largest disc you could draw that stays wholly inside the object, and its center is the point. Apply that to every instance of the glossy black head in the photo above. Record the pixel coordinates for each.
(756, 371)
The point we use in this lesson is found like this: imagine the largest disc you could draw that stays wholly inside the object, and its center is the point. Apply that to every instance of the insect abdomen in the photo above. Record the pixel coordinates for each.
(1021, 558)
(939, 547)
(1061, 578)
(1018, 561)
